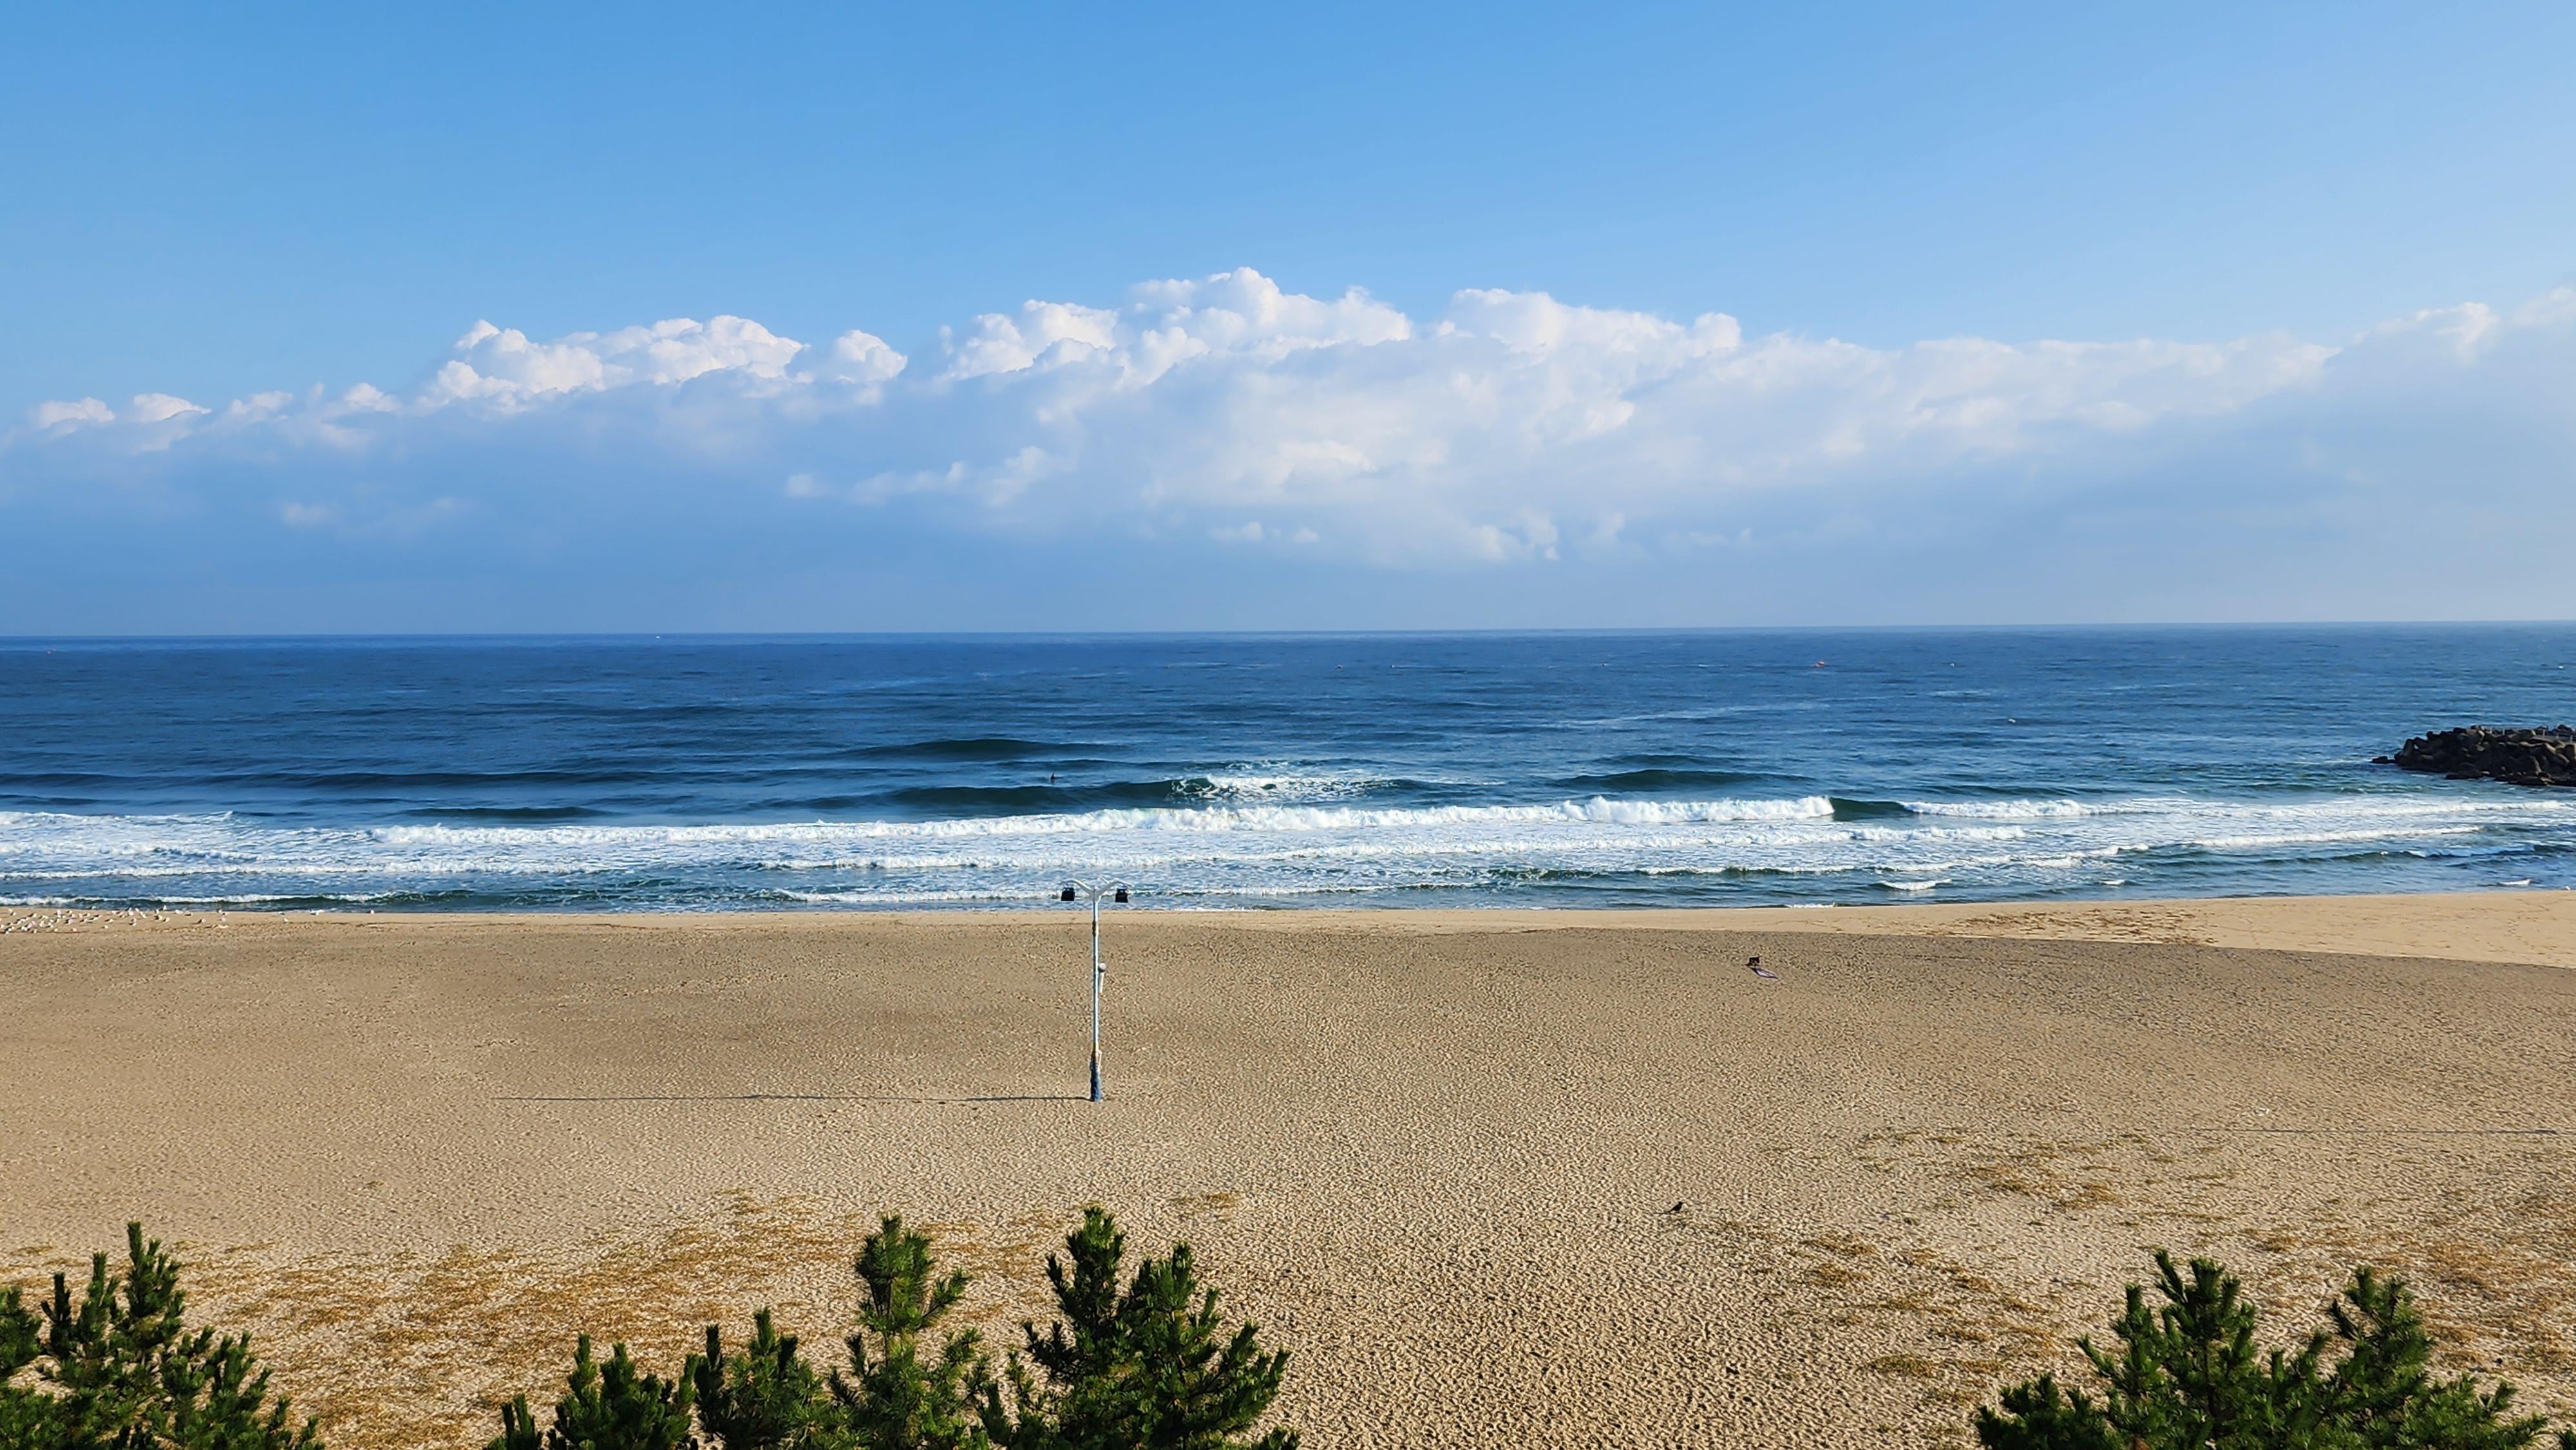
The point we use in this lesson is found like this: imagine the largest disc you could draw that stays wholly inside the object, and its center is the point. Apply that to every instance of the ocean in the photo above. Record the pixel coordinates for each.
(1652, 769)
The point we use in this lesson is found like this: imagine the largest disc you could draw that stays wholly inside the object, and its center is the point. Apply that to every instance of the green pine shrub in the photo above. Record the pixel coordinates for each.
(615, 1406)
(1146, 1367)
(121, 1370)
(2186, 1375)
(763, 1397)
(1147, 1364)
(893, 1398)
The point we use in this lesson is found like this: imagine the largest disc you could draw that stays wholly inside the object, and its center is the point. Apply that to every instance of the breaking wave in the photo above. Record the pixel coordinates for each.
(1247, 851)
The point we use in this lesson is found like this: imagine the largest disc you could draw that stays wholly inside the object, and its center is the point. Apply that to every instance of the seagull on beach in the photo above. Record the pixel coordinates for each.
(1761, 971)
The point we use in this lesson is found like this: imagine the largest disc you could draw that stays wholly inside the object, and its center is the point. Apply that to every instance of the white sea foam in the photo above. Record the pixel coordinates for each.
(1275, 833)
(2028, 810)
(1270, 782)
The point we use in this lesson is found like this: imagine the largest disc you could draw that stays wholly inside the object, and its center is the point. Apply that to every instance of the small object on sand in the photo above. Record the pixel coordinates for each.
(1761, 971)
(1677, 1208)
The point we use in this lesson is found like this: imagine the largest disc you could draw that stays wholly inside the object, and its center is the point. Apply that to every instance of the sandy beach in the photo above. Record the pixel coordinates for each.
(1435, 1154)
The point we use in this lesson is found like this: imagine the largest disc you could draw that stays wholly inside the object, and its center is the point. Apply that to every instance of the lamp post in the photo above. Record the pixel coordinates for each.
(1117, 892)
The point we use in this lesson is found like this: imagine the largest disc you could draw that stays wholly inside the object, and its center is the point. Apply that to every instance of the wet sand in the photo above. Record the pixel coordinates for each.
(1435, 1154)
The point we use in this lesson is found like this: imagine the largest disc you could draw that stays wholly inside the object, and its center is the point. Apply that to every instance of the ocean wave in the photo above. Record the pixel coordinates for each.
(1266, 781)
(1254, 819)
(506, 813)
(1017, 800)
(2392, 832)
(990, 748)
(1656, 778)
(2026, 810)
(1257, 833)
(1847, 808)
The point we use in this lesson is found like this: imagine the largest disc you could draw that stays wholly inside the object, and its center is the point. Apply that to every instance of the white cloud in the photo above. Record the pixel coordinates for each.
(1511, 428)
(502, 366)
(72, 414)
(1044, 334)
(159, 408)
(859, 357)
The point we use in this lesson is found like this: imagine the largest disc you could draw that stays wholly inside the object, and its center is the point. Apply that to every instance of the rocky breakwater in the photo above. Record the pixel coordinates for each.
(2478, 752)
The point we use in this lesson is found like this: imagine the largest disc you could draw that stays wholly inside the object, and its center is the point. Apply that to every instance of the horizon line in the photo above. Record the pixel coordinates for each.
(1390, 632)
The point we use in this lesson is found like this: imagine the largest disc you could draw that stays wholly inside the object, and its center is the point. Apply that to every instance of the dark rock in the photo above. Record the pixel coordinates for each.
(2477, 752)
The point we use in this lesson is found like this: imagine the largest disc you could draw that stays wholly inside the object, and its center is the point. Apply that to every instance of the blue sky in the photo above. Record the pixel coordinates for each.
(1663, 315)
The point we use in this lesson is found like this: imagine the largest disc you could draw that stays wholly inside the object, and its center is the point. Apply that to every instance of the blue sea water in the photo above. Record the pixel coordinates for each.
(1723, 768)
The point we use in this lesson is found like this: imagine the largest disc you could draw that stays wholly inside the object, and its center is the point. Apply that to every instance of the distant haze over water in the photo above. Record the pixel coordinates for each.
(1708, 769)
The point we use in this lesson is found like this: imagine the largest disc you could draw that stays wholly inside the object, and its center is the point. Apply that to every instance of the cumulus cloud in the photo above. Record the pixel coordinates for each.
(1511, 428)
(861, 357)
(499, 365)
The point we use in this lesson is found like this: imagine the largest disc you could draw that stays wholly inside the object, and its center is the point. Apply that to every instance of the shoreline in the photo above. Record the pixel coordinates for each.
(2536, 927)
(1434, 1153)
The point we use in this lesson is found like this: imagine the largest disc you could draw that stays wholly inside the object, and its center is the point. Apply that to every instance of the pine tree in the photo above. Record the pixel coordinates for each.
(2384, 1391)
(1146, 1368)
(2038, 1415)
(2187, 1376)
(122, 1369)
(605, 1407)
(764, 1397)
(24, 1413)
(892, 1398)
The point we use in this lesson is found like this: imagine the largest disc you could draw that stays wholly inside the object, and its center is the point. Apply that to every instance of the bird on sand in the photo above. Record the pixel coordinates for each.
(1761, 971)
